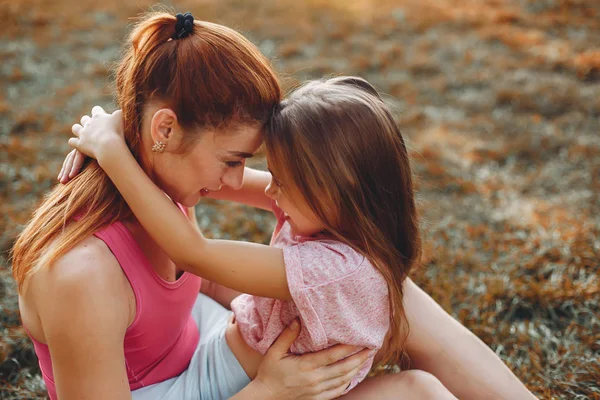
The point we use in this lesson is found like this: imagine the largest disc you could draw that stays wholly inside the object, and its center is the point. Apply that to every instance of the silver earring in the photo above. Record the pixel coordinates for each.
(159, 147)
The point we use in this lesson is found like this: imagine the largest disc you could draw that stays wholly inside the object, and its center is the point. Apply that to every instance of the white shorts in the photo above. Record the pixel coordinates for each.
(214, 373)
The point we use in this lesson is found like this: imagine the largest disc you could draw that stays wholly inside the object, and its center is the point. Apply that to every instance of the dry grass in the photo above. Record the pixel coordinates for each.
(500, 104)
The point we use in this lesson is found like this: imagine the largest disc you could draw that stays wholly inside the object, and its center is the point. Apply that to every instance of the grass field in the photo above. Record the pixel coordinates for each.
(500, 104)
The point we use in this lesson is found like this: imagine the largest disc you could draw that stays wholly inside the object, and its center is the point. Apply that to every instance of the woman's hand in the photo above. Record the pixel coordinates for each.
(321, 375)
(98, 135)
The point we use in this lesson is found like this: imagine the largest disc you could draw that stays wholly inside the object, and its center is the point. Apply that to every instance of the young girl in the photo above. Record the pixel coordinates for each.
(346, 235)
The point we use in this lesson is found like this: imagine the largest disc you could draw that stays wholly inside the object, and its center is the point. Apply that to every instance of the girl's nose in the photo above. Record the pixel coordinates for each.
(270, 190)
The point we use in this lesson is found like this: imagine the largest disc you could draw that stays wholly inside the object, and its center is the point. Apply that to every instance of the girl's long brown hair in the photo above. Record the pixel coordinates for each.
(211, 78)
(338, 144)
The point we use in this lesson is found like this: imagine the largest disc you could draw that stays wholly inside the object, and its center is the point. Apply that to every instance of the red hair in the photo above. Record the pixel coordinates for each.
(210, 78)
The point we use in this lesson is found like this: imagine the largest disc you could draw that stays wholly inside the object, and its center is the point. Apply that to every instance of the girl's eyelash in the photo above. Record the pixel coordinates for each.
(275, 180)
(233, 164)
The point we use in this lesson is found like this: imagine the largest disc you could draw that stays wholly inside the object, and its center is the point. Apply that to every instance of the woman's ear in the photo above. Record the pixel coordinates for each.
(162, 126)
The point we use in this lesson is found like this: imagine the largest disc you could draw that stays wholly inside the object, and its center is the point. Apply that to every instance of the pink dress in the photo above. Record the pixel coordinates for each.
(337, 293)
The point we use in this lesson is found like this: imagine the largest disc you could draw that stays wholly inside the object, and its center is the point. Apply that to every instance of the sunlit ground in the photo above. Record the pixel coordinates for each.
(500, 104)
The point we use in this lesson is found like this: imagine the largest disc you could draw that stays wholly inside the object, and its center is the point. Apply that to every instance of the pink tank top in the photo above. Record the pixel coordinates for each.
(163, 336)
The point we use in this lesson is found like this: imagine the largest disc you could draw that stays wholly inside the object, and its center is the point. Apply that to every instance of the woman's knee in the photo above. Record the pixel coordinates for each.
(407, 385)
(425, 385)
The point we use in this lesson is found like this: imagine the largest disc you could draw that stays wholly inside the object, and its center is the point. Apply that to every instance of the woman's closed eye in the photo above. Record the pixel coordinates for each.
(233, 164)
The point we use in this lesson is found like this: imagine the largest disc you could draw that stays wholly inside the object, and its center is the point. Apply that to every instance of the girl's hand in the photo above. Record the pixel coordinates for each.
(71, 166)
(97, 135)
(321, 375)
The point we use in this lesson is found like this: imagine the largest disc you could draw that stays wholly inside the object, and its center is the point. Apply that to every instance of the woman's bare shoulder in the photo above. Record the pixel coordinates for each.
(88, 263)
(86, 279)
(80, 311)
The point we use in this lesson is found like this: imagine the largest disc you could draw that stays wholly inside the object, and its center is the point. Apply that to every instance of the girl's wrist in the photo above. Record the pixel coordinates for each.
(112, 151)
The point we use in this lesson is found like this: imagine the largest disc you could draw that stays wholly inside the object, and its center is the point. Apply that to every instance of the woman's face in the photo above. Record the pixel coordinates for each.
(215, 160)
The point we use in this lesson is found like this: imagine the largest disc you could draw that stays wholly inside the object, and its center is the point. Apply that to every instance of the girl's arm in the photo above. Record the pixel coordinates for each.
(246, 267)
(252, 192)
(221, 294)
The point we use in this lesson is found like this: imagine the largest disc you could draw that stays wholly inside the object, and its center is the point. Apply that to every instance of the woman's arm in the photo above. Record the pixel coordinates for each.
(322, 375)
(440, 345)
(83, 312)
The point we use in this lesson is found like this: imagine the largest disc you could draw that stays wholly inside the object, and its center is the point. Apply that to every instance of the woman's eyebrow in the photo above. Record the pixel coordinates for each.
(241, 154)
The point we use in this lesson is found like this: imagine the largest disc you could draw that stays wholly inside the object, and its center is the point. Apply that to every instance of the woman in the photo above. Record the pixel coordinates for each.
(113, 315)
(87, 308)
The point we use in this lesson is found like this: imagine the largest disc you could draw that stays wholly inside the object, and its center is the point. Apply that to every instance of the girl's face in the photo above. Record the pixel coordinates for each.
(215, 160)
(301, 218)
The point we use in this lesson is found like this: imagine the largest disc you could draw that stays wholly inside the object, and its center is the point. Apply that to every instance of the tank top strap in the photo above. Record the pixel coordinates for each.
(128, 253)
(126, 250)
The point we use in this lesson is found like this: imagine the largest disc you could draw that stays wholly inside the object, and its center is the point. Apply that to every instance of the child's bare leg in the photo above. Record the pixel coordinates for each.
(407, 385)
(440, 345)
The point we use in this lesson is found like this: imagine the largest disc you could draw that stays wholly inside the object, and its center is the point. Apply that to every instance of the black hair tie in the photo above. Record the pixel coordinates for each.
(278, 108)
(184, 25)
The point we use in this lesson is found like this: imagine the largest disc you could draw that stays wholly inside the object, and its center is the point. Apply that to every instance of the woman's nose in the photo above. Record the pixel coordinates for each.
(234, 178)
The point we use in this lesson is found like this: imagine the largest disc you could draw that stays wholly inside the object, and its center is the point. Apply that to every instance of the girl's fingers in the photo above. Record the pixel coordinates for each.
(76, 129)
(85, 119)
(62, 177)
(78, 160)
(98, 110)
(118, 115)
(68, 166)
(62, 168)
(74, 142)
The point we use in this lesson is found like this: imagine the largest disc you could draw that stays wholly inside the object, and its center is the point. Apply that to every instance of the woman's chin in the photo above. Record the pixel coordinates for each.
(190, 201)
(193, 199)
